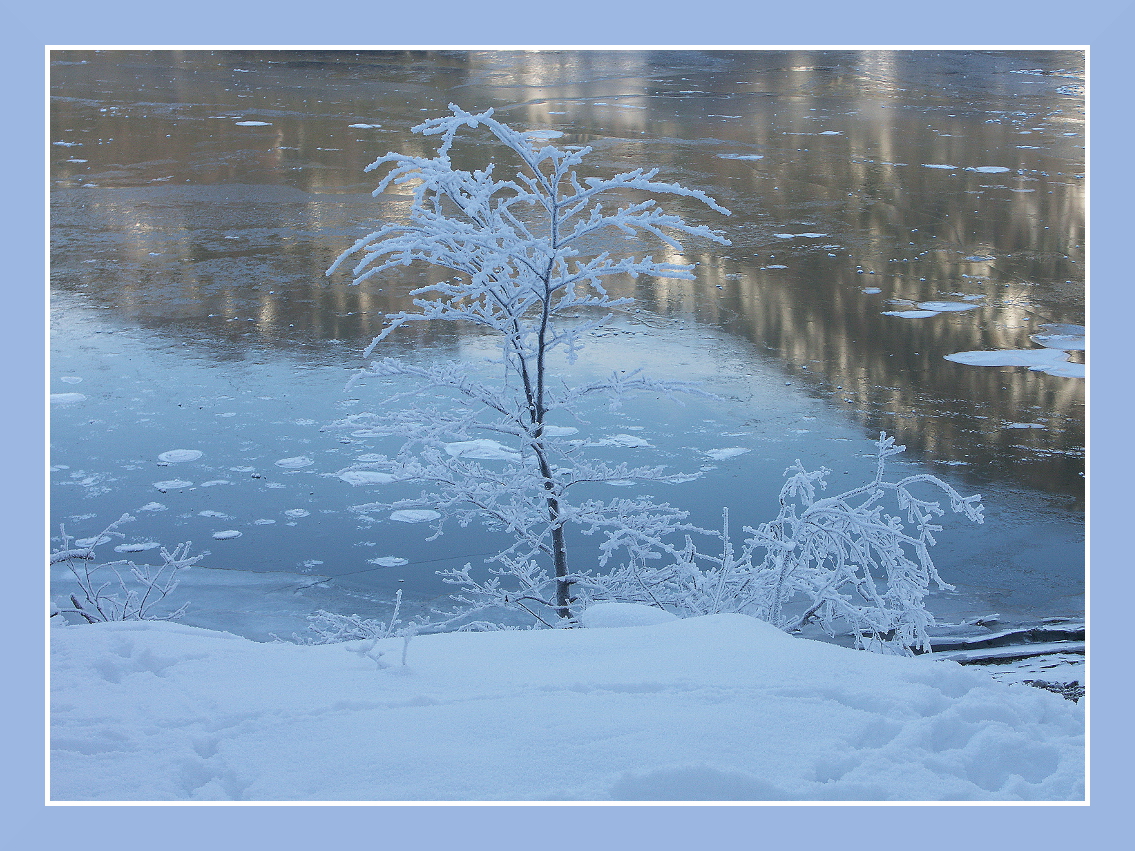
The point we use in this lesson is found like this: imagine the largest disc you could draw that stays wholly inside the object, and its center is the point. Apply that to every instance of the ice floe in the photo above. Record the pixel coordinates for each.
(295, 463)
(226, 534)
(172, 484)
(364, 126)
(740, 156)
(1067, 338)
(871, 290)
(559, 431)
(254, 124)
(153, 506)
(414, 515)
(175, 456)
(938, 165)
(629, 441)
(911, 314)
(365, 477)
(483, 449)
(70, 379)
(388, 561)
(988, 169)
(802, 235)
(945, 306)
(139, 547)
(298, 512)
(64, 398)
(1050, 361)
(727, 452)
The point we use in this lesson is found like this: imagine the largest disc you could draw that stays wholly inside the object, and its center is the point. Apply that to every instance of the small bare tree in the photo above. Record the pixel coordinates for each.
(529, 253)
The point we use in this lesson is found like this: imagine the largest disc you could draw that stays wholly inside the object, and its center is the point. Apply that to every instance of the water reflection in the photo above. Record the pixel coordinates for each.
(173, 211)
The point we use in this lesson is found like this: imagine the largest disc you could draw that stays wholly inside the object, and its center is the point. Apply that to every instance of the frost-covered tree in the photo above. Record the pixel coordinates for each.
(526, 254)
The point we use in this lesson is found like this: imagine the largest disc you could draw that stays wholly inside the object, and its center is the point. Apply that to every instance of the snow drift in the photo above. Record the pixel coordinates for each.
(722, 707)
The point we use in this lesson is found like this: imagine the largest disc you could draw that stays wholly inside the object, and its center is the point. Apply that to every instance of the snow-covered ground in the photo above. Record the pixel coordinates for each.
(714, 708)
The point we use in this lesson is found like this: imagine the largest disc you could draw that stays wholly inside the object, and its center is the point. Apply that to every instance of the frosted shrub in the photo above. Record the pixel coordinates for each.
(839, 560)
(525, 259)
(120, 590)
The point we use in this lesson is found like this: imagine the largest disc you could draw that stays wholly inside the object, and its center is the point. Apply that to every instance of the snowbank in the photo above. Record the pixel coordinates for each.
(714, 708)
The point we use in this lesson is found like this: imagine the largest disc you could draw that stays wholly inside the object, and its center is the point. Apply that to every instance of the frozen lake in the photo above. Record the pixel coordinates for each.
(890, 209)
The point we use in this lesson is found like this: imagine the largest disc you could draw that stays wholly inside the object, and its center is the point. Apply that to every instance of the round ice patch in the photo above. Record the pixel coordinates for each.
(175, 456)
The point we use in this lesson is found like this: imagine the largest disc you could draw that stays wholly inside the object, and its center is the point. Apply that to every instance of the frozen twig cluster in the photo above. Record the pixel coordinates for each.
(120, 590)
(333, 628)
(835, 561)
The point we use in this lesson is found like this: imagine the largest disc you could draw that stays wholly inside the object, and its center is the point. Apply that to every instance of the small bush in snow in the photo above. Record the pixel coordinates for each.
(838, 560)
(119, 590)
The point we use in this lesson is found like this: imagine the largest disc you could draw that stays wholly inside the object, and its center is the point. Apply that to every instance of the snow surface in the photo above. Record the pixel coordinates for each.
(713, 708)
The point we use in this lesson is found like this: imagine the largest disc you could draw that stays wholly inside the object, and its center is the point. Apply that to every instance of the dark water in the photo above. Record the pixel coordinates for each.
(188, 288)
